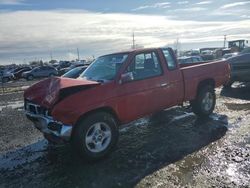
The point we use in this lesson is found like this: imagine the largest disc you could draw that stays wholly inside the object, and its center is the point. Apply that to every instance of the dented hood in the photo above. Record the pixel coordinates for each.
(49, 91)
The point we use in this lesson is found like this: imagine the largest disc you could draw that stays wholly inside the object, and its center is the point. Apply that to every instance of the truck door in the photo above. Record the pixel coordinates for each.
(174, 88)
(142, 94)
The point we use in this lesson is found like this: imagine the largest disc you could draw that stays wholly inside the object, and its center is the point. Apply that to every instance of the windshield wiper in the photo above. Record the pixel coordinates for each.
(101, 81)
(98, 80)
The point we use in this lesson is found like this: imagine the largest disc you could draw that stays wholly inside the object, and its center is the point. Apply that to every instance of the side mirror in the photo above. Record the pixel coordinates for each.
(126, 77)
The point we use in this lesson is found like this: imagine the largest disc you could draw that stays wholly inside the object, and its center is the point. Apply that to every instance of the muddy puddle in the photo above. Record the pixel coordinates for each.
(13, 105)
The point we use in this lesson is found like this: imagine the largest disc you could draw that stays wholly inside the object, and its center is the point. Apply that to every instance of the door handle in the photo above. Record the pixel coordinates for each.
(164, 84)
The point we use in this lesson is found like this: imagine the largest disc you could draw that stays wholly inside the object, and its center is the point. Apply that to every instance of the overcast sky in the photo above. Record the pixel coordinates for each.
(33, 29)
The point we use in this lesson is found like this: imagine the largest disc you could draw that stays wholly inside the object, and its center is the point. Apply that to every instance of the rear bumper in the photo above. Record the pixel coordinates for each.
(53, 131)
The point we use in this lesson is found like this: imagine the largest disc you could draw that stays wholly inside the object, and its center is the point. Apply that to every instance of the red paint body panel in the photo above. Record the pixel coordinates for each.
(129, 101)
(46, 92)
(217, 71)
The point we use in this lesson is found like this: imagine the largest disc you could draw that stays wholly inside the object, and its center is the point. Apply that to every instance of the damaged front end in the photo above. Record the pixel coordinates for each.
(53, 130)
(41, 98)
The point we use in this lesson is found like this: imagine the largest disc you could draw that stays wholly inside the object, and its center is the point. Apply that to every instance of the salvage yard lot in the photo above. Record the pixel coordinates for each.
(170, 149)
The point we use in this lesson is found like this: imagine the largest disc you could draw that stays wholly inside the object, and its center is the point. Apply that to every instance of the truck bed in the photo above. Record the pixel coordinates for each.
(193, 74)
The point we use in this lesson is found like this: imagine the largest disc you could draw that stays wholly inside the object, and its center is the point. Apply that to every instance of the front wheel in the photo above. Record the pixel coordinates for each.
(205, 101)
(95, 136)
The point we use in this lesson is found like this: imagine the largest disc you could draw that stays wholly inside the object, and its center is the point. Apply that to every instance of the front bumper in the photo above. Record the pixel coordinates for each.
(53, 131)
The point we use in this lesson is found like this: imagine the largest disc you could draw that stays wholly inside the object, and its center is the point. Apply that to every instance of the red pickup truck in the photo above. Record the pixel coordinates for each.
(116, 89)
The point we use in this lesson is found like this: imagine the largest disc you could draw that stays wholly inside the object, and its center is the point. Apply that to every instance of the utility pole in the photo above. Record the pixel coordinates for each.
(225, 39)
(176, 46)
(78, 54)
(133, 46)
(51, 57)
(177, 43)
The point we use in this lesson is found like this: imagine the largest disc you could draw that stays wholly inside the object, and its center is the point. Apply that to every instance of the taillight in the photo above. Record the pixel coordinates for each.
(229, 70)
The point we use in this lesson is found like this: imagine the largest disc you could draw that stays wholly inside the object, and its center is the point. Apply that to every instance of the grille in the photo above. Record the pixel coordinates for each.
(35, 109)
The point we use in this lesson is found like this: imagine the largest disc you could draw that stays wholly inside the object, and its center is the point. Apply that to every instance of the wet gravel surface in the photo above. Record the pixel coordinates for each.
(172, 148)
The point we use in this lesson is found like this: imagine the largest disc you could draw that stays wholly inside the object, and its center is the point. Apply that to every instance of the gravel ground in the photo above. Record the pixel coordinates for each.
(15, 130)
(173, 148)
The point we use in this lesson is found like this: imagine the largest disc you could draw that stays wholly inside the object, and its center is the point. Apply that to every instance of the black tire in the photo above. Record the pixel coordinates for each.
(30, 77)
(83, 130)
(205, 101)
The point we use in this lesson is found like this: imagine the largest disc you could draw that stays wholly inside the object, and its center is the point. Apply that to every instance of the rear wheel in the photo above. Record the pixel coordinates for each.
(95, 136)
(205, 101)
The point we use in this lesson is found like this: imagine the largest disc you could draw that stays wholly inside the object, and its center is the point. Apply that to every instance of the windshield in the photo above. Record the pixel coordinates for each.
(104, 67)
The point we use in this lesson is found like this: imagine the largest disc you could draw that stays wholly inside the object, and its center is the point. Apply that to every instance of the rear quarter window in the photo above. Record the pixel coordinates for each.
(169, 59)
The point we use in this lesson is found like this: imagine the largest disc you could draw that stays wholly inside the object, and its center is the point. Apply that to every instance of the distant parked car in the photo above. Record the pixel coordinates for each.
(228, 55)
(9, 74)
(77, 64)
(38, 72)
(240, 68)
(18, 74)
(190, 59)
(245, 50)
(65, 70)
(6, 76)
(75, 72)
(207, 55)
(62, 65)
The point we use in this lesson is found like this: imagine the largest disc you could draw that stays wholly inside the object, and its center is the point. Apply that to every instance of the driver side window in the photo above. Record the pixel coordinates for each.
(145, 65)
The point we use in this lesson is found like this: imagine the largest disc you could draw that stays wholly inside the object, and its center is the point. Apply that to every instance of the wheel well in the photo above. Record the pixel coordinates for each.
(102, 109)
(206, 82)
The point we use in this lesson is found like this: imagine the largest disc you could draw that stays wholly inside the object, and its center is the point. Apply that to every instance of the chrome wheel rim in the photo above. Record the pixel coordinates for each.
(207, 101)
(98, 137)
